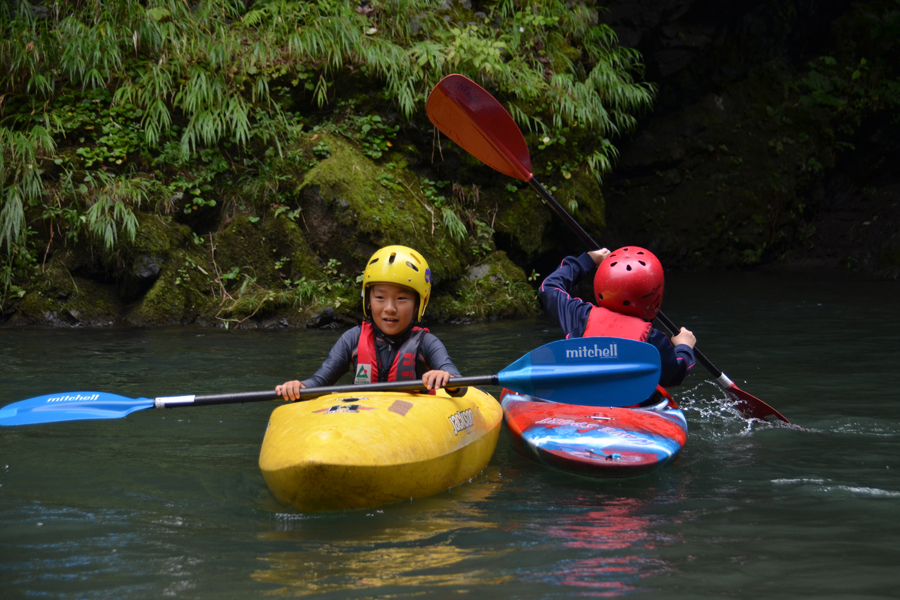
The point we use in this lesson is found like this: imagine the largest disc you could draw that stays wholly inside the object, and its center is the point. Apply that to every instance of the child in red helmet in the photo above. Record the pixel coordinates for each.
(629, 289)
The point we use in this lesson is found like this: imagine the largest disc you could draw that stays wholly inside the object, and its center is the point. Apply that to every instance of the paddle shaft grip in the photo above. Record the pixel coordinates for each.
(238, 398)
(393, 386)
(308, 393)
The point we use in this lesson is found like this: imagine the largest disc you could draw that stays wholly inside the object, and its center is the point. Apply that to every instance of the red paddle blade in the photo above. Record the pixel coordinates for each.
(752, 407)
(467, 114)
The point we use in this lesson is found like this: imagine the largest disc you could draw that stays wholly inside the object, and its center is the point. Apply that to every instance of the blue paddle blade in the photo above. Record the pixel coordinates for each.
(595, 371)
(71, 406)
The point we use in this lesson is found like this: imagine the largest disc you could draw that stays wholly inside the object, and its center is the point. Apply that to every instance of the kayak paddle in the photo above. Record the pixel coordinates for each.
(588, 371)
(467, 114)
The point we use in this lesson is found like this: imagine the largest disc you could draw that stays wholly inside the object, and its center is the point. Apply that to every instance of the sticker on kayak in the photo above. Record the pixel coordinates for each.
(401, 407)
(353, 408)
(583, 427)
(627, 457)
(463, 419)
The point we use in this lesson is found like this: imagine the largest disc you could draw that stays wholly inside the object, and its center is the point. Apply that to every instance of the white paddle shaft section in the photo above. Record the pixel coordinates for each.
(173, 401)
(724, 381)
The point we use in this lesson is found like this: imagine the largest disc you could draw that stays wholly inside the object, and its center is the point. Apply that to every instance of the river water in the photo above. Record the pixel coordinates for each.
(172, 503)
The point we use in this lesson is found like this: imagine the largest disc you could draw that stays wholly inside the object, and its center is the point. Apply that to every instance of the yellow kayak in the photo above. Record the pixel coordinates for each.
(346, 451)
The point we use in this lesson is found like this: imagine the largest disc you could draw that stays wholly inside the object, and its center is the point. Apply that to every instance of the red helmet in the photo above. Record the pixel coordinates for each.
(630, 281)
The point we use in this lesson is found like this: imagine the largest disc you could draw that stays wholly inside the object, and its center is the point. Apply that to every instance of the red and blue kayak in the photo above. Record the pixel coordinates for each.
(595, 441)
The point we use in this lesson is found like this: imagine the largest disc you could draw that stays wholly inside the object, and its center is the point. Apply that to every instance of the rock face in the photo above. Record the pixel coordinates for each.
(749, 159)
(292, 264)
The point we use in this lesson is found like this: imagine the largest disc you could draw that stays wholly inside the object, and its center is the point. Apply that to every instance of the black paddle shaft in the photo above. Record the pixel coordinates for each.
(307, 393)
(577, 228)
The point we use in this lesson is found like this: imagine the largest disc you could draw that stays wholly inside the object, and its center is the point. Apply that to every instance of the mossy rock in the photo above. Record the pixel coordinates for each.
(583, 188)
(723, 180)
(353, 206)
(64, 300)
(168, 278)
(243, 249)
(183, 293)
(495, 288)
(270, 249)
(156, 238)
(532, 229)
(523, 220)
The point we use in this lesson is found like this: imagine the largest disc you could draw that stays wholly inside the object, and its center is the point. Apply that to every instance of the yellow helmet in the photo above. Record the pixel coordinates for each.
(401, 266)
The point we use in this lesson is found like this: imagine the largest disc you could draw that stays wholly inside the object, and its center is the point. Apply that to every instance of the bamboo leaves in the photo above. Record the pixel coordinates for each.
(112, 209)
(211, 66)
(163, 85)
(20, 177)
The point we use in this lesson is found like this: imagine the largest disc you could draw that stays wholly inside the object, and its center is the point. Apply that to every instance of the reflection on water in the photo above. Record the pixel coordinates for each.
(349, 567)
(623, 538)
(433, 542)
(589, 542)
(599, 539)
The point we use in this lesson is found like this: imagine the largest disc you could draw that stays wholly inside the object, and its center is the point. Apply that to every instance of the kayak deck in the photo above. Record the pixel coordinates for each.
(594, 441)
(346, 451)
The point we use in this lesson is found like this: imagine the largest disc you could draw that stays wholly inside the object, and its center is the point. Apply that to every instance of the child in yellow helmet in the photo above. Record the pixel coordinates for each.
(387, 346)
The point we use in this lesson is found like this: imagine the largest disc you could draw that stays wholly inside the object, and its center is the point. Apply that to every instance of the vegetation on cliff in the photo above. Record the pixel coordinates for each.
(230, 161)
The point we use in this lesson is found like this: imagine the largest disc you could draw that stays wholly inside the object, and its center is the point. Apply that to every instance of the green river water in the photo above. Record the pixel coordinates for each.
(172, 503)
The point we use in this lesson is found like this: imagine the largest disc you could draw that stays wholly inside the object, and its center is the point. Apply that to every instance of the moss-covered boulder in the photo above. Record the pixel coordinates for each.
(142, 261)
(62, 299)
(493, 289)
(353, 206)
(179, 272)
(294, 258)
(722, 181)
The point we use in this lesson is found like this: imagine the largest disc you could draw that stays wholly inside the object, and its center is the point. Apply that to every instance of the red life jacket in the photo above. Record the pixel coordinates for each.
(404, 367)
(603, 322)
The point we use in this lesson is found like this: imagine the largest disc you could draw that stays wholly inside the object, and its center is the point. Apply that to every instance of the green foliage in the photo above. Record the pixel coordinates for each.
(322, 150)
(448, 208)
(110, 106)
(204, 73)
(452, 224)
(20, 177)
(371, 131)
(112, 203)
(861, 79)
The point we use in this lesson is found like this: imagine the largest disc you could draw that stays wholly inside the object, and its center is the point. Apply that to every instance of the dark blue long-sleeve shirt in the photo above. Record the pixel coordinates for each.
(572, 315)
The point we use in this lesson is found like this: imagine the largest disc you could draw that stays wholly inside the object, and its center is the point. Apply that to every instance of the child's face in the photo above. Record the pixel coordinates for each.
(393, 307)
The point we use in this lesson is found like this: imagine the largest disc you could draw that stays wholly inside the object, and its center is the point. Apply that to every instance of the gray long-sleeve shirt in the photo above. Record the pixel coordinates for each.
(432, 355)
